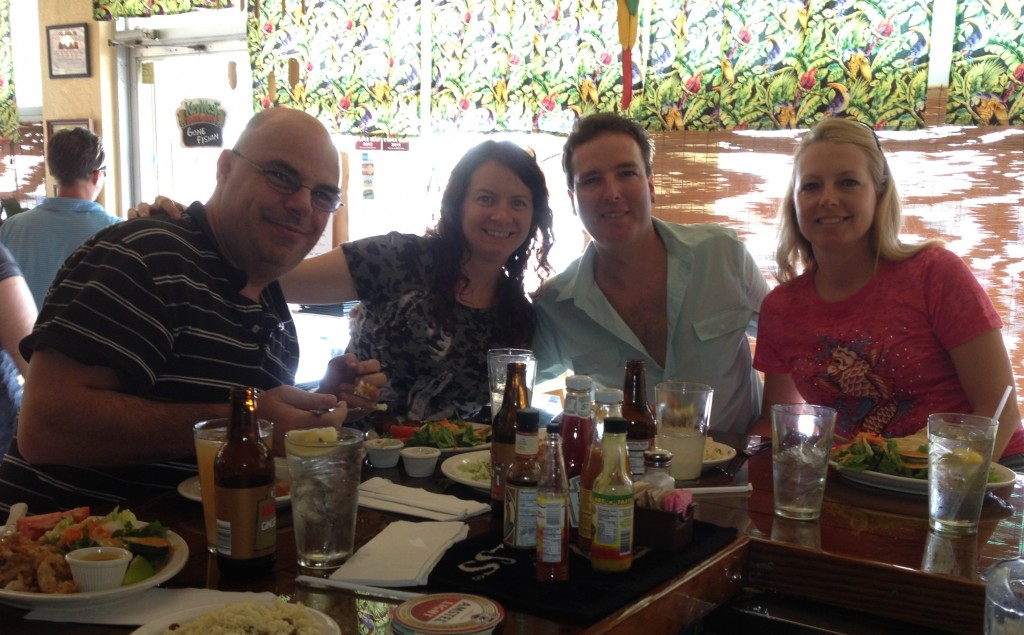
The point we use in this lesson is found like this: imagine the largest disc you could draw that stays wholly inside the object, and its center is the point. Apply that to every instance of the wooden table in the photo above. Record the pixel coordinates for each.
(867, 553)
(871, 551)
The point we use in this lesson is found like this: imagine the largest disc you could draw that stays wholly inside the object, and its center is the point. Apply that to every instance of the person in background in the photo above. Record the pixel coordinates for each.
(17, 313)
(41, 239)
(431, 306)
(883, 331)
(682, 298)
(151, 322)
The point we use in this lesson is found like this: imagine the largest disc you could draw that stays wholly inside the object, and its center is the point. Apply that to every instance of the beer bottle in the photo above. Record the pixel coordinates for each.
(611, 547)
(520, 525)
(503, 430)
(552, 511)
(243, 475)
(641, 431)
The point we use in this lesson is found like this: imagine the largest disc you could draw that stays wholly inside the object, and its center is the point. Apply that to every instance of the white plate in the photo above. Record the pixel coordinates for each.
(454, 467)
(24, 600)
(917, 486)
(160, 625)
(730, 453)
(190, 489)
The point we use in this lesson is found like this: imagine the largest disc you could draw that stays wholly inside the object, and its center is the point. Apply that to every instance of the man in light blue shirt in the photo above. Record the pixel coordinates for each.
(682, 298)
(41, 239)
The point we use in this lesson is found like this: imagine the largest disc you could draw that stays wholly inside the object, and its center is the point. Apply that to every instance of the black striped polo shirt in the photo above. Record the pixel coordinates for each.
(155, 300)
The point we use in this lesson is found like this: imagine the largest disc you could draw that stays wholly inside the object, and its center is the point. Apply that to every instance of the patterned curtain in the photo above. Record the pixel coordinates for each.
(986, 77)
(8, 104)
(506, 65)
(354, 64)
(111, 9)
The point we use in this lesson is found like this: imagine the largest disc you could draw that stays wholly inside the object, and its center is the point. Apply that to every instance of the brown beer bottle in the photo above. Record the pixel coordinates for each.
(503, 431)
(641, 430)
(243, 475)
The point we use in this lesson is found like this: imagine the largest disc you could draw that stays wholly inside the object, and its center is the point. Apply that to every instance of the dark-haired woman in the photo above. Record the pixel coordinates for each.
(431, 306)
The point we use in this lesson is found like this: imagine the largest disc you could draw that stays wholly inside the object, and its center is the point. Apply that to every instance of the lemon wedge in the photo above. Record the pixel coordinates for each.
(969, 457)
(311, 441)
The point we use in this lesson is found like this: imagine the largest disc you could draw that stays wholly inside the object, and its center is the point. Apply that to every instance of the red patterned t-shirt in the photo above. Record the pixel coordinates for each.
(881, 357)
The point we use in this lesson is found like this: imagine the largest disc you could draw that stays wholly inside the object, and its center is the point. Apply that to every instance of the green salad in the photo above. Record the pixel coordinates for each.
(874, 453)
(447, 434)
(870, 452)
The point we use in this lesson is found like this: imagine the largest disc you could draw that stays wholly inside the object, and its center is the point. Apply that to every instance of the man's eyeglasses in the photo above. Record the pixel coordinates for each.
(322, 199)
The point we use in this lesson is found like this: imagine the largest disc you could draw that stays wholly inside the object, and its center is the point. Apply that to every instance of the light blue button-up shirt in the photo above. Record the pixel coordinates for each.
(714, 293)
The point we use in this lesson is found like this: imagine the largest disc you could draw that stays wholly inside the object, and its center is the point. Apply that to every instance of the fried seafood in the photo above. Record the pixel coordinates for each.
(26, 565)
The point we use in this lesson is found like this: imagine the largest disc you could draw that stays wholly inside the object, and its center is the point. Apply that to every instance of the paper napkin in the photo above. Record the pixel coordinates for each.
(380, 493)
(147, 606)
(402, 555)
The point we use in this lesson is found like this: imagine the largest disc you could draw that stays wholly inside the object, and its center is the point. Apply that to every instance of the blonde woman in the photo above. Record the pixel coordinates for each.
(883, 331)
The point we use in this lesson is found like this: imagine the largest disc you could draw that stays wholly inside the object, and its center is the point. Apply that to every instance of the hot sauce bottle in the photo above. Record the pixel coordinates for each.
(609, 404)
(520, 525)
(577, 420)
(243, 475)
(552, 511)
(611, 547)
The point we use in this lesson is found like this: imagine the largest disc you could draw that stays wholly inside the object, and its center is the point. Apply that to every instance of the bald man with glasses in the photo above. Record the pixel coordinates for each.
(151, 323)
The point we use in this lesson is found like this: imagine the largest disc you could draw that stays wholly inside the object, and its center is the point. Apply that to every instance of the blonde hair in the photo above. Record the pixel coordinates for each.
(794, 254)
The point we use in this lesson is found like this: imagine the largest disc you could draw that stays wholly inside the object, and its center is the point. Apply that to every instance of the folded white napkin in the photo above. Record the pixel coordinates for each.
(380, 493)
(147, 606)
(401, 555)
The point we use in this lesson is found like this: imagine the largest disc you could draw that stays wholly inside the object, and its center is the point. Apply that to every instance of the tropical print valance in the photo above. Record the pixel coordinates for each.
(111, 9)
(8, 103)
(986, 77)
(515, 65)
(504, 65)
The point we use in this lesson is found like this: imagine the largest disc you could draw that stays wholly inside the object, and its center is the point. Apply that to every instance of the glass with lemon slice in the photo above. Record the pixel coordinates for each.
(325, 466)
(959, 454)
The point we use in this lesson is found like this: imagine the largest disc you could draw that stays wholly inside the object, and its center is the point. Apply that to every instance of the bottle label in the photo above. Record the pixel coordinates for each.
(527, 443)
(586, 513)
(613, 527)
(520, 529)
(246, 522)
(578, 404)
(552, 528)
(574, 501)
(636, 448)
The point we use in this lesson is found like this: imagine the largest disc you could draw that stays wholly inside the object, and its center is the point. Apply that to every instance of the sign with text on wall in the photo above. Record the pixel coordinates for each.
(201, 122)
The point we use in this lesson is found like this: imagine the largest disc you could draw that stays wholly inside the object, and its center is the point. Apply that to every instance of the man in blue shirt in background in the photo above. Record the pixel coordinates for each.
(41, 239)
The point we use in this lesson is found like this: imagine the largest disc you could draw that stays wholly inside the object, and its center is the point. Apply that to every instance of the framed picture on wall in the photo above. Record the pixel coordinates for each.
(68, 47)
(54, 125)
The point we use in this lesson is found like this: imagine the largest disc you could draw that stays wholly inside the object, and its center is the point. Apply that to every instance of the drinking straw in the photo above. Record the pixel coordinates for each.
(1002, 403)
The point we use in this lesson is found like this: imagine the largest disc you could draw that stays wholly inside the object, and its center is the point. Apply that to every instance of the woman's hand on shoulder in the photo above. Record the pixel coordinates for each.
(162, 205)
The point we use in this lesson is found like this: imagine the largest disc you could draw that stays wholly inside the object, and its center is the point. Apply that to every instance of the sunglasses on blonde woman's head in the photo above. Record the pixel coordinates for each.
(321, 198)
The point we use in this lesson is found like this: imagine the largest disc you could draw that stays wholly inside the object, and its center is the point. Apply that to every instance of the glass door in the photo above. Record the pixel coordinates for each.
(164, 159)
